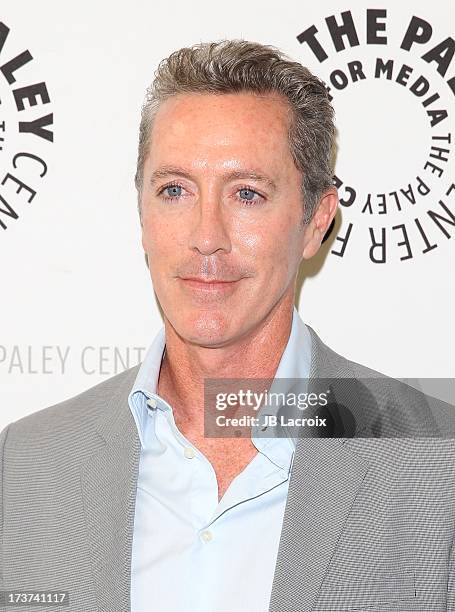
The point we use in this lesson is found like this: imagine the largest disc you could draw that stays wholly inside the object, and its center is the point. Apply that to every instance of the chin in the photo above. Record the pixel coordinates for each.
(207, 328)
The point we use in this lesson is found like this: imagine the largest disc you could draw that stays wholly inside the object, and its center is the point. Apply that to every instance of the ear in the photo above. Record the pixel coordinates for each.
(143, 242)
(322, 218)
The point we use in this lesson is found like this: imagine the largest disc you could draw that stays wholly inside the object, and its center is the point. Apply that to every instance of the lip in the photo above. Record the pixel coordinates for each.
(199, 284)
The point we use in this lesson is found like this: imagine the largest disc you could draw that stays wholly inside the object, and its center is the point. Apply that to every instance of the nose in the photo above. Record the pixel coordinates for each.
(209, 231)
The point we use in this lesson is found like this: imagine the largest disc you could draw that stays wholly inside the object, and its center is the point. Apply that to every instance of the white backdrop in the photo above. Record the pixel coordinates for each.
(77, 304)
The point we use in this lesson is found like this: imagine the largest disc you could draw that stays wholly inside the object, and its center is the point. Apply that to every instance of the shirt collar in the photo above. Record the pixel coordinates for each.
(295, 362)
(146, 382)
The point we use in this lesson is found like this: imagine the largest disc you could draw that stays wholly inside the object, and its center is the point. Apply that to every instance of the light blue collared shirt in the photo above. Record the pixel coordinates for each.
(191, 552)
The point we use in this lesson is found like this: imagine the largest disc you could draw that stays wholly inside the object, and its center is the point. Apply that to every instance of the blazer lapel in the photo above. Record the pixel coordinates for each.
(324, 483)
(108, 482)
(325, 478)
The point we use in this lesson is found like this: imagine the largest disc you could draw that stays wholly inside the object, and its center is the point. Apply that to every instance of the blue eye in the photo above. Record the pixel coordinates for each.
(173, 191)
(247, 194)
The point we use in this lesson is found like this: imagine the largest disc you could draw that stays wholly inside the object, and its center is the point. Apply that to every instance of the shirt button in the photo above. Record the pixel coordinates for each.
(152, 403)
(189, 452)
(206, 535)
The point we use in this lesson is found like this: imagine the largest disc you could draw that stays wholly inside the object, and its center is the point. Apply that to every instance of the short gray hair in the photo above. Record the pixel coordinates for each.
(230, 66)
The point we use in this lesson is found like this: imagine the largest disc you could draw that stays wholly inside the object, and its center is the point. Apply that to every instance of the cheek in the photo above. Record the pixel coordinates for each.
(248, 243)
(274, 245)
(160, 235)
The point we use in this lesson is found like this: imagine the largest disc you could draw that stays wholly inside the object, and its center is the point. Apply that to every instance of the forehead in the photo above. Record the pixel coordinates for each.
(211, 128)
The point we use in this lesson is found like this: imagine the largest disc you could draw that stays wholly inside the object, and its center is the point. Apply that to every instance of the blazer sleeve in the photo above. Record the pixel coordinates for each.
(451, 580)
(3, 436)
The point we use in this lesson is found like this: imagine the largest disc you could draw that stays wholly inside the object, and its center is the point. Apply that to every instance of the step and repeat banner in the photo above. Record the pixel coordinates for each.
(77, 305)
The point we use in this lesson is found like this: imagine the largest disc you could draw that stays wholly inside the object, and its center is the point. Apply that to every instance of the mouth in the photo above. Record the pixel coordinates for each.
(209, 286)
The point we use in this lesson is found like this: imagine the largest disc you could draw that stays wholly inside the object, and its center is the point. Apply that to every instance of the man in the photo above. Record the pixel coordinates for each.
(119, 498)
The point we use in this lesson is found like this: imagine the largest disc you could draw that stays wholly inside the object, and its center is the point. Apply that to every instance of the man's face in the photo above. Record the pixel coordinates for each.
(221, 201)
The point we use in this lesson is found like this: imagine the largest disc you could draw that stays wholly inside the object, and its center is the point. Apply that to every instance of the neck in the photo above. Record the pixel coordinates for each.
(185, 365)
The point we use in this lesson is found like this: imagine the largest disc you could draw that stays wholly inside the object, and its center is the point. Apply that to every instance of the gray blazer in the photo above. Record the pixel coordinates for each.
(369, 520)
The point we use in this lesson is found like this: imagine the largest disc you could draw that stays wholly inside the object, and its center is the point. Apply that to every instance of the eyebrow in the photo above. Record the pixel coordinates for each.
(243, 173)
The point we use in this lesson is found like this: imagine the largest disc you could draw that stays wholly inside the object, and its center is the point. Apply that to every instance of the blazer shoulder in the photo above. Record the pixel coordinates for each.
(414, 412)
(328, 362)
(73, 414)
